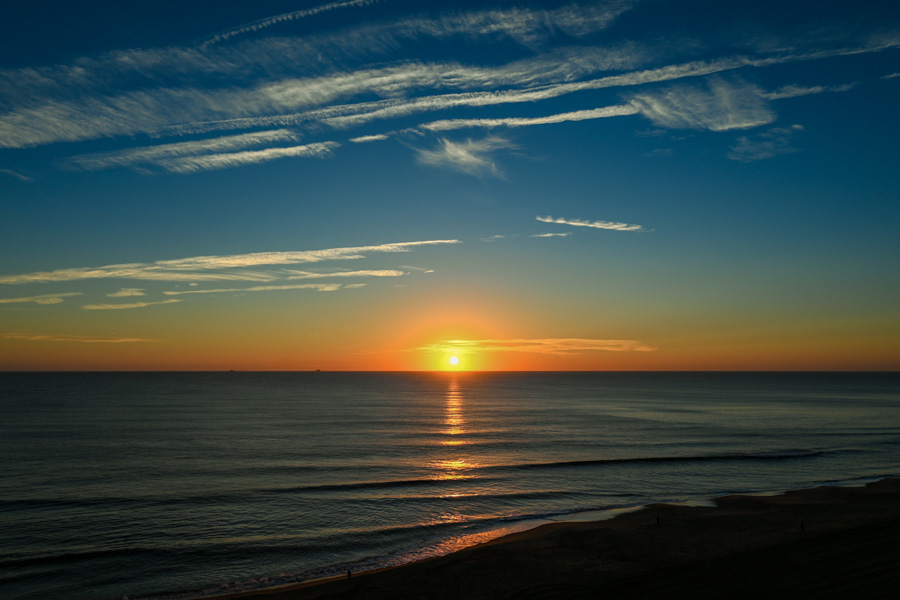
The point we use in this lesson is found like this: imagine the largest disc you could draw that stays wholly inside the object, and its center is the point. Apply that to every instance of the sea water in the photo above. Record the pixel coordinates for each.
(179, 484)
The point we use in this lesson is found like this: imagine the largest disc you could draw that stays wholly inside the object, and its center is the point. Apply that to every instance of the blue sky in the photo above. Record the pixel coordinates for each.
(675, 184)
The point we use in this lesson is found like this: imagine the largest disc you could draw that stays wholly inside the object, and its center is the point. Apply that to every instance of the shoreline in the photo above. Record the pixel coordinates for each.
(838, 541)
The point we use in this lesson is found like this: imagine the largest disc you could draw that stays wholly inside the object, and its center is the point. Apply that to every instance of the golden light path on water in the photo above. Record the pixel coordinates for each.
(454, 420)
(452, 435)
(454, 465)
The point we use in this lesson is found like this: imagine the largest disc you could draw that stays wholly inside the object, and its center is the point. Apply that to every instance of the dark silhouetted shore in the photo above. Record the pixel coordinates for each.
(828, 542)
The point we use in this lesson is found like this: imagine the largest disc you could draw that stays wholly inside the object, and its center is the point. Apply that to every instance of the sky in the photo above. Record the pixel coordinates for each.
(385, 184)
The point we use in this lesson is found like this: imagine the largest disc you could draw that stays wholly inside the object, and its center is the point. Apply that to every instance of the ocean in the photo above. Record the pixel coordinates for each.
(174, 485)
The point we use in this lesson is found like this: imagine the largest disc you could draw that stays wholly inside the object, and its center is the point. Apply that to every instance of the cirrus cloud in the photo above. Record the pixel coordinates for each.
(229, 267)
(126, 306)
(471, 156)
(49, 337)
(321, 287)
(558, 346)
(594, 224)
(720, 106)
(42, 299)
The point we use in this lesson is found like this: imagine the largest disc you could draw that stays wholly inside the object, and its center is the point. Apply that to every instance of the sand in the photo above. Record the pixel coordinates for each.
(829, 542)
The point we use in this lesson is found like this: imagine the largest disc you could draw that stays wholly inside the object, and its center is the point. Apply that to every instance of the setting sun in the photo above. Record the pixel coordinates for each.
(454, 360)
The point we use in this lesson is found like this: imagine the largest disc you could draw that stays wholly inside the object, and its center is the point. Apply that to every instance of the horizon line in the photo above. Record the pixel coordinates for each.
(451, 371)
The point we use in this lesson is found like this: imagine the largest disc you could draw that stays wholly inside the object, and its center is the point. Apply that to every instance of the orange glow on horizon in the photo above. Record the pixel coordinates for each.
(424, 336)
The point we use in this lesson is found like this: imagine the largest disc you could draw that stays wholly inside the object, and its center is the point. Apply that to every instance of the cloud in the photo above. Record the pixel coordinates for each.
(264, 82)
(154, 154)
(420, 269)
(44, 299)
(579, 115)
(43, 337)
(194, 268)
(528, 27)
(209, 162)
(891, 76)
(365, 273)
(794, 91)
(561, 346)
(363, 139)
(401, 86)
(40, 120)
(722, 106)
(549, 235)
(359, 113)
(471, 156)
(127, 292)
(285, 17)
(321, 287)
(125, 306)
(764, 145)
(594, 224)
(17, 175)
(351, 115)
(271, 58)
(493, 238)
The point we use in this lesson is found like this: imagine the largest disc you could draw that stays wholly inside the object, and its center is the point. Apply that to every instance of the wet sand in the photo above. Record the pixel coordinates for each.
(829, 542)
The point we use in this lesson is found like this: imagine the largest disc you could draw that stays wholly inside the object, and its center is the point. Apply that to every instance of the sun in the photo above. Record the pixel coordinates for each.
(454, 360)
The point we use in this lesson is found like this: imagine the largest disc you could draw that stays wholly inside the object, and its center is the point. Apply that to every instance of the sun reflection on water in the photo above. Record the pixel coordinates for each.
(453, 432)
(454, 419)
(454, 468)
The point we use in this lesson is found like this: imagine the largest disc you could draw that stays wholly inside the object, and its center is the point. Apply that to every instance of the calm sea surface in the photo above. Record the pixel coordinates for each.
(157, 484)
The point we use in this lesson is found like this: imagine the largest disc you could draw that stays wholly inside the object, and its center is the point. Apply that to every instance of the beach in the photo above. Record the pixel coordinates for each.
(826, 542)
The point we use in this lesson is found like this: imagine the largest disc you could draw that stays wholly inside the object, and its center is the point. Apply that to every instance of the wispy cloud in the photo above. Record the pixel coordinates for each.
(721, 106)
(265, 82)
(471, 156)
(764, 145)
(794, 91)
(363, 139)
(127, 293)
(180, 150)
(286, 17)
(272, 58)
(401, 85)
(38, 121)
(45, 337)
(209, 162)
(43, 299)
(526, 26)
(195, 268)
(891, 76)
(594, 224)
(579, 115)
(550, 235)
(653, 105)
(17, 175)
(293, 274)
(126, 306)
(419, 269)
(321, 287)
(560, 346)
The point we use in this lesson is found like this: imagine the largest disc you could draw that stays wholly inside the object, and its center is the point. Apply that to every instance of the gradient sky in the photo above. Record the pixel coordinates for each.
(368, 185)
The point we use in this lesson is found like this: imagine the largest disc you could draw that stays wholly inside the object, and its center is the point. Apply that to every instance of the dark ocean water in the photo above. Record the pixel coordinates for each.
(156, 484)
